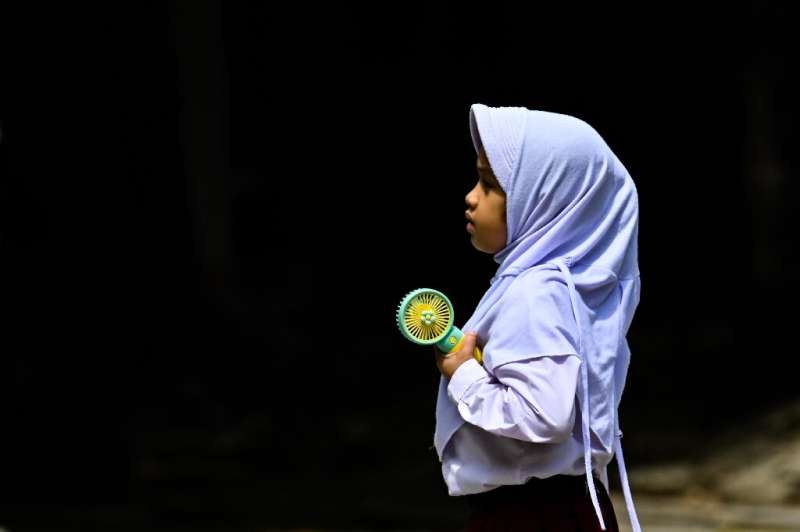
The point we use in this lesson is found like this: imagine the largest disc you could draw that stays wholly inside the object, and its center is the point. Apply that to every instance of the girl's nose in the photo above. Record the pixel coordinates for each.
(469, 199)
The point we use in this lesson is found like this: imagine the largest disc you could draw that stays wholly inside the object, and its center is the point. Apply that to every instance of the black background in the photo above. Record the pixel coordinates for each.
(211, 210)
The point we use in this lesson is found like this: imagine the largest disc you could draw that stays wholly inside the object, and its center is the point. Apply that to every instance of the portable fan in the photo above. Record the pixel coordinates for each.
(425, 316)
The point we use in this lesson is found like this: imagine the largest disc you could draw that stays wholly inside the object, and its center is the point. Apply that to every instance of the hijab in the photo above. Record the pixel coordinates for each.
(572, 217)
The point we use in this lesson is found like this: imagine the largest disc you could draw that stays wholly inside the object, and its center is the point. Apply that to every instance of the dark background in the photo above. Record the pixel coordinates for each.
(211, 210)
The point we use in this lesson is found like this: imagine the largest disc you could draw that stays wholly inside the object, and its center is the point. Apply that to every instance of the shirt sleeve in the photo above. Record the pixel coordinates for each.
(531, 400)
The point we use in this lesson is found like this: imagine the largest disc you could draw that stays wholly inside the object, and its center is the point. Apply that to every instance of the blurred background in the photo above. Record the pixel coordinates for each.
(210, 212)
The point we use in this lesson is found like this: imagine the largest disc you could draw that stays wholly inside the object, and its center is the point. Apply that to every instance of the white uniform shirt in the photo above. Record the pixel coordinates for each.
(519, 424)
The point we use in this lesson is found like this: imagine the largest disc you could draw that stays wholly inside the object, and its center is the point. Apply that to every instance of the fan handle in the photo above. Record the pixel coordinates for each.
(452, 343)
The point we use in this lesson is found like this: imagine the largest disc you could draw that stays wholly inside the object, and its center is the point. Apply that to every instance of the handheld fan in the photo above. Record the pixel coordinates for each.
(425, 316)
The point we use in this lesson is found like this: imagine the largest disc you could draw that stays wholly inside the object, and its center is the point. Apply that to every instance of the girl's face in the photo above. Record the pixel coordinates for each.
(487, 210)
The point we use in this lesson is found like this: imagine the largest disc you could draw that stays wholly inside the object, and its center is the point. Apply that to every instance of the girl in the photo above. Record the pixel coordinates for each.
(559, 212)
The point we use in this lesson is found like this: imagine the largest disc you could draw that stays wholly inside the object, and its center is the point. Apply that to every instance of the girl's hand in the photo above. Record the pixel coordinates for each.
(449, 363)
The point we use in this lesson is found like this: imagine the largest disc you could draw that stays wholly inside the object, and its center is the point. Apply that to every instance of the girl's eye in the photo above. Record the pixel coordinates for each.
(486, 183)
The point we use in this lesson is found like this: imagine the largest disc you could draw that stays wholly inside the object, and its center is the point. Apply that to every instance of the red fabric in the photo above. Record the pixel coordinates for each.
(555, 504)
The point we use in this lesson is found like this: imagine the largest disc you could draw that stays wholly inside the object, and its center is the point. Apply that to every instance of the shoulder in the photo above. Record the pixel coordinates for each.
(538, 287)
(535, 319)
(540, 275)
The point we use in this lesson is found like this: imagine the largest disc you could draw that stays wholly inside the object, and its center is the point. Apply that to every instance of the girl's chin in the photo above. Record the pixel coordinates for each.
(477, 245)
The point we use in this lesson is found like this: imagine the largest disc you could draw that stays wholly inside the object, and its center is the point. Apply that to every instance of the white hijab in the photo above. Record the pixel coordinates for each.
(572, 209)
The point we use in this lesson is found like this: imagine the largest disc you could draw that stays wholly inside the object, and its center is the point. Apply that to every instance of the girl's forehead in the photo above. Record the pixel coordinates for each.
(483, 164)
(482, 160)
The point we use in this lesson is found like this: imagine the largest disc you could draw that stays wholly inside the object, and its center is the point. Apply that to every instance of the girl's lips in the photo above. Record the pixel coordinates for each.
(470, 227)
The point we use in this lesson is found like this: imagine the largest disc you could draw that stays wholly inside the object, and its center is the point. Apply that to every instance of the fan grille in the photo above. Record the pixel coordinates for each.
(427, 316)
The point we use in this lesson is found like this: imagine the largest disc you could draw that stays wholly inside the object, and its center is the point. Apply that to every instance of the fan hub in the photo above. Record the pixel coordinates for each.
(428, 317)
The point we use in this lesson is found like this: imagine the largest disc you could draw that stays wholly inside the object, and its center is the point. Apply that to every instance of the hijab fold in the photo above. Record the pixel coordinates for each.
(568, 278)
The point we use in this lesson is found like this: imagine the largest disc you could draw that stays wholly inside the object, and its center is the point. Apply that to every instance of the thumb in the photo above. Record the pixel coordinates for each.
(469, 341)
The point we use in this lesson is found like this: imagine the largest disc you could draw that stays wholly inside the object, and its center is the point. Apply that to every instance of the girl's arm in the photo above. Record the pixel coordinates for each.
(531, 400)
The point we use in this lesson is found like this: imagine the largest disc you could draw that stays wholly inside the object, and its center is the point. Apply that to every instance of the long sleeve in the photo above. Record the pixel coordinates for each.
(530, 400)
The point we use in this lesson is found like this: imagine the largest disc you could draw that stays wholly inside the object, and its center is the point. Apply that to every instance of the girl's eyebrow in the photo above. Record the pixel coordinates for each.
(486, 172)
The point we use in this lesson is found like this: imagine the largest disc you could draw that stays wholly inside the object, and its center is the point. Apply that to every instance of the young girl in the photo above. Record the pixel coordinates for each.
(559, 212)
